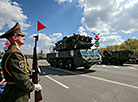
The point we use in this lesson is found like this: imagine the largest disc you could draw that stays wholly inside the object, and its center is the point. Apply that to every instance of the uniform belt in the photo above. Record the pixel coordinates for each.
(10, 82)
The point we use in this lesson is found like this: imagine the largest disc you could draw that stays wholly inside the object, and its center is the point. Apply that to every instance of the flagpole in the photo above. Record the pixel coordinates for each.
(38, 34)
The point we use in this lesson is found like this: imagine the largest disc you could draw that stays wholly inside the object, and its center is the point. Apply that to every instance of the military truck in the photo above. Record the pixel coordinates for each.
(72, 52)
(116, 57)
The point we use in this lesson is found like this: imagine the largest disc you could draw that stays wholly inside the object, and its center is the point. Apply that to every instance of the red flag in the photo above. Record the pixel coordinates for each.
(40, 26)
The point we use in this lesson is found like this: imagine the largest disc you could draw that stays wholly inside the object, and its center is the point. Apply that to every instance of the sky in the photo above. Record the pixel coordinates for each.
(115, 20)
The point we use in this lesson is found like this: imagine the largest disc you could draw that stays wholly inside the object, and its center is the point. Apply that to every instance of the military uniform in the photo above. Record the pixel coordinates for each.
(16, 73)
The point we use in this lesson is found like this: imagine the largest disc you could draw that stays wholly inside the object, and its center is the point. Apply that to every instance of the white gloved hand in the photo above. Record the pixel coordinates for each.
(37, 87)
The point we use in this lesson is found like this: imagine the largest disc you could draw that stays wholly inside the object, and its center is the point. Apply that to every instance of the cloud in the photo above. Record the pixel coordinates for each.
(108, 17)
(10, 13)
(44, 41)
(134, 37)
(111, 39)
(55, 36)
(2, 42)
(27, 49)
(103, 16)
(1, 33)
(82, 30)
(62, 1)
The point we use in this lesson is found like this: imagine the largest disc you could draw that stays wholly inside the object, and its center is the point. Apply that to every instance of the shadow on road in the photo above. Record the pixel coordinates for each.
(47, 70)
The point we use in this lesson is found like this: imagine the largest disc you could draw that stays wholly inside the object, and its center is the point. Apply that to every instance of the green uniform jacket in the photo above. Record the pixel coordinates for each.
(16, 73)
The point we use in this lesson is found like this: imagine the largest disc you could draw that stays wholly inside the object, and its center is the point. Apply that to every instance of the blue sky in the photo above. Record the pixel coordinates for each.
(115, 20)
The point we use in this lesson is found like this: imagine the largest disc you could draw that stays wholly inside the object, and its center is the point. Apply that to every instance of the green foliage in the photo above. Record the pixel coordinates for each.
(128, 44)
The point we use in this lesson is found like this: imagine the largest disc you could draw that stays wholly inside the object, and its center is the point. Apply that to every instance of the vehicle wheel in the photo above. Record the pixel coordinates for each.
(55, 63)
(51, 62)
(121, 63)
(115, 62)
(87, 67)
(61, 63)
(106, 61)
(70, 65)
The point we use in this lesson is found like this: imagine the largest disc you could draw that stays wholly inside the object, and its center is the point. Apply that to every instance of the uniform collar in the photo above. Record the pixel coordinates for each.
(15, 47)
(18, 48)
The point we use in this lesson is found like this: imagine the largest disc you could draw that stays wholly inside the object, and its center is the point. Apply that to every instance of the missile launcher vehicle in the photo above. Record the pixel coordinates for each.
(116, 57)
(72, 52)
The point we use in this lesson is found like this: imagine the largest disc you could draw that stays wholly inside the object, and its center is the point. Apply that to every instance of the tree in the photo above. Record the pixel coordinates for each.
(128, 44)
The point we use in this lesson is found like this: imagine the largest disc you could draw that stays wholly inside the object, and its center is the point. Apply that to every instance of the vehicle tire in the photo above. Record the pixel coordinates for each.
(61, 63)
(106, 61)
(51, 62)
(115, 62)
(121, 63)
(70, 65)
(55, 63)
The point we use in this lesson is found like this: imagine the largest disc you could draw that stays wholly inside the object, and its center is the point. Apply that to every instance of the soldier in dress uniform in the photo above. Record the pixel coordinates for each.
(15, 69)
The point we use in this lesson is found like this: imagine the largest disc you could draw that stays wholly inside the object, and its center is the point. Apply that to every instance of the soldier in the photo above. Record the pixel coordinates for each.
(15, 69)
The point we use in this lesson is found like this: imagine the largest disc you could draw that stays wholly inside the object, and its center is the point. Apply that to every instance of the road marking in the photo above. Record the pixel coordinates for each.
(39, 70)
(119, 67)
(99, 69)
(57, 82)
(132, 68)
(104, 65)
(99, 78)
(116, 67)
(110, 81)
(110, 66)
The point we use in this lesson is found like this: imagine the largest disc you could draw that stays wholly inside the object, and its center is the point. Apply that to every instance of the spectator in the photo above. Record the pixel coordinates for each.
(2, 81)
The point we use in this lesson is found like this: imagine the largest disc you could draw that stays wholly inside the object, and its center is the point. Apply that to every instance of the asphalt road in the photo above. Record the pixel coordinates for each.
(101, 83)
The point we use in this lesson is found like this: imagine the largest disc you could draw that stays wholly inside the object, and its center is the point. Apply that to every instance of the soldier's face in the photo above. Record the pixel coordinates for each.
(20, 39)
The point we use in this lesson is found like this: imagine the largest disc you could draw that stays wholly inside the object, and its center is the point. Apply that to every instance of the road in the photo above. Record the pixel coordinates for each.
(101, 83)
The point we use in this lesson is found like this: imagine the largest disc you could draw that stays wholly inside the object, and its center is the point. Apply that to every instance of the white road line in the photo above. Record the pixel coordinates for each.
(39, 70)
(110, 81)
(132, 68)
(57, 82)
(102, 79)
(116, 67)
(104, 65)
(99, 69)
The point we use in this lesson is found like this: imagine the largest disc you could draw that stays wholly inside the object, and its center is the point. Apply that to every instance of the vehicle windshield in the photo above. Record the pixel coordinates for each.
(93, 52)
(84, 53)
(89, 53)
